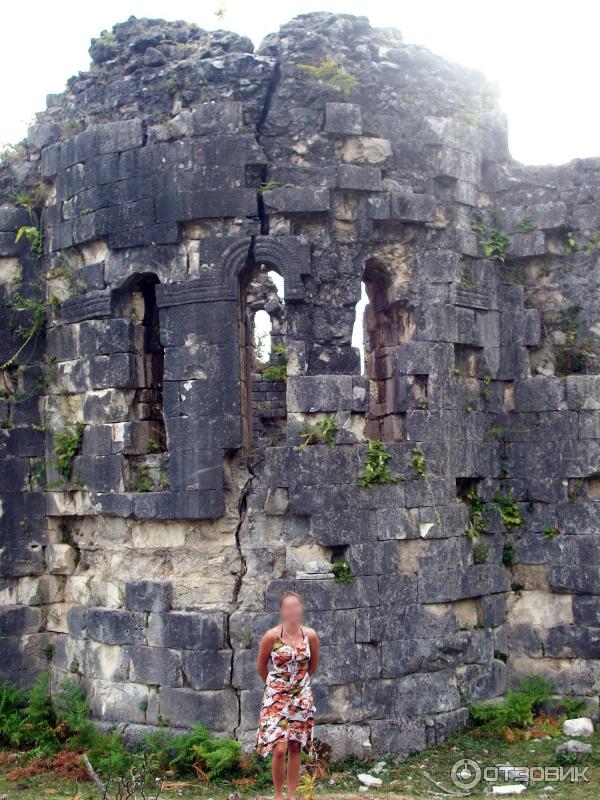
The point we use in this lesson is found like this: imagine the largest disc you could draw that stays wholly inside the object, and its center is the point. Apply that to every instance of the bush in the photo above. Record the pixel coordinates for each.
(198, 751)
(32, 720)
(518, 707)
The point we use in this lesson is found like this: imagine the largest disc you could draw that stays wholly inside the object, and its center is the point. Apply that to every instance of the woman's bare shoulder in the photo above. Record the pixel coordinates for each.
(311, 633)
(270, 635)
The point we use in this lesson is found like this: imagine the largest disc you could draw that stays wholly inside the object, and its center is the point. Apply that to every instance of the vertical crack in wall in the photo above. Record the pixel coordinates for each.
(242, 509)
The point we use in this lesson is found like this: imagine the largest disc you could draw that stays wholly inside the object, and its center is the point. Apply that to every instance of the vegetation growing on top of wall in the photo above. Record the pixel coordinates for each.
(332, 75)
(276, 371)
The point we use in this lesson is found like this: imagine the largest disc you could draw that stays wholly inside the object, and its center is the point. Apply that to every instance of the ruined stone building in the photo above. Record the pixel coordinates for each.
(162, 482)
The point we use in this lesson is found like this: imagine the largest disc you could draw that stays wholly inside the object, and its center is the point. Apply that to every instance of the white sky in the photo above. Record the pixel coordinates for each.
(543, 54)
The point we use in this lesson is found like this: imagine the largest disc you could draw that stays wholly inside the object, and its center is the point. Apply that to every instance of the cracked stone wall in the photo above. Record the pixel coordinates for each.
(163, 181)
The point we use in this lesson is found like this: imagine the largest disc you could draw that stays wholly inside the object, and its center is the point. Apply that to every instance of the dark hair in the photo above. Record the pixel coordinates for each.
(289, 593)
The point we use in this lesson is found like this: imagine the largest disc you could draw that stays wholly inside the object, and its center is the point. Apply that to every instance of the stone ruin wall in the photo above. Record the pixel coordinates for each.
(174, 172)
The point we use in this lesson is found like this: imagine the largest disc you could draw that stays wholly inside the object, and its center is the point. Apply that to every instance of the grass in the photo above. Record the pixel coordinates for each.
(403, 778)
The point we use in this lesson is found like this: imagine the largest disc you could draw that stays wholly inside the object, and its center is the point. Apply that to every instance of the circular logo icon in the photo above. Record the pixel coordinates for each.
(466, 773)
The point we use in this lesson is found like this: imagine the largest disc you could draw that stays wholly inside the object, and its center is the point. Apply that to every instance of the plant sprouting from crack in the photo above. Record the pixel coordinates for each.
(494, 242)
(417, 462)
(322, 432)
(341, 571)
(377, 466)
(332, 75)
(67, 445)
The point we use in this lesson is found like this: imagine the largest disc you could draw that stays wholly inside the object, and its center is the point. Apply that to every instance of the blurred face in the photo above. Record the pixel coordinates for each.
(291, 611)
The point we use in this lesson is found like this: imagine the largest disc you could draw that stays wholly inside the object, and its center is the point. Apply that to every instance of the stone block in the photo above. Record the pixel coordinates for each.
(117, 702)
(397, 589)
(155, 666)
(412, 207)
(462, 582)
(539, 394)
(111, 626)
(586, 610)
(19, 620)
(217, 710)
(343, 119)
(187, 630)
(148, 595)
(373, 558)
(297, 200)
(16, 562)
(493, 610)
(366, 150)
(459, 164)
(345, 663)
(61, 559)
(583, 392)
(217, 117)
(577, 579)
(358, 178)
(400, 622)
(404, 736)
(208, 669)
(319, 393)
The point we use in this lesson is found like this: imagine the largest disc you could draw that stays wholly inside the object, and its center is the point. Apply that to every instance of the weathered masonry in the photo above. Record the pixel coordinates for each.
(162, 482)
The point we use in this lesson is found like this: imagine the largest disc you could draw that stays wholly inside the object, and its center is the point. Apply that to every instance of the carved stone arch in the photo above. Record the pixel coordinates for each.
(287, 254)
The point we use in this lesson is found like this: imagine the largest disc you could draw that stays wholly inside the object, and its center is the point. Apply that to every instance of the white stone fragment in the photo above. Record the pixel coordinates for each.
(582, 726)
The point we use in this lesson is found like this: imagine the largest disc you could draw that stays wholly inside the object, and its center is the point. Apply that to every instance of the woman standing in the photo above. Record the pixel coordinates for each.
(287, 715)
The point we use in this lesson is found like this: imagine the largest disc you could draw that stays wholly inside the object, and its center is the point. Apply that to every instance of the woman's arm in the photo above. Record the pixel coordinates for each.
(314, 651)
(264, 653)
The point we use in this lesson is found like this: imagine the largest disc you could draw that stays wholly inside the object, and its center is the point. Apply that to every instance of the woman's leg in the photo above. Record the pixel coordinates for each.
(293, 767)
(278, 768)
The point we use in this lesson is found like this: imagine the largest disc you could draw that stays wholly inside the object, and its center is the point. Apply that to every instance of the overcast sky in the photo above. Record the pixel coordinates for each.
(544, 56)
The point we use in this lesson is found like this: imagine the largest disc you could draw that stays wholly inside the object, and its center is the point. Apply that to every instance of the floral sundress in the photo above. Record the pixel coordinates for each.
(287, 712)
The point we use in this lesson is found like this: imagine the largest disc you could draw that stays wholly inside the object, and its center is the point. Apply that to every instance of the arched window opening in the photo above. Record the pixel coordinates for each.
(384, 325)
(144, 436)
(263, 356)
